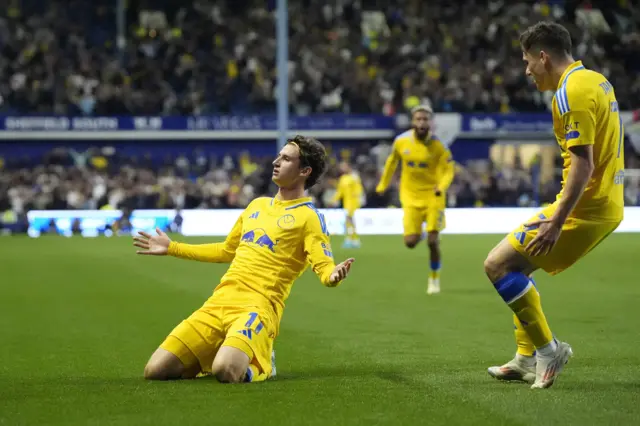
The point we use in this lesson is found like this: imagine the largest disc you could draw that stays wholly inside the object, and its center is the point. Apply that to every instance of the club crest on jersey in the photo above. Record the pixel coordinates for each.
(406, 152)
(259, 238)
(287, 221)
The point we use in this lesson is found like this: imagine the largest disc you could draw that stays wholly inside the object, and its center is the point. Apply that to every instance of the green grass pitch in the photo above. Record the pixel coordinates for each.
(80, 317)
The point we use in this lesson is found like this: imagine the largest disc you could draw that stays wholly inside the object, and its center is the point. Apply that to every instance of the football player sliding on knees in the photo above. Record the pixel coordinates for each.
(273, 241)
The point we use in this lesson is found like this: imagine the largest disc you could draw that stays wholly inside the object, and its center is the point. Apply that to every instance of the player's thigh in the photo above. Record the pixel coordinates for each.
(350, 211)
(196, 340)
(509, 255)
(412, 220)
(436, 219)
(504, 258)
(252, 333)
(578, 237)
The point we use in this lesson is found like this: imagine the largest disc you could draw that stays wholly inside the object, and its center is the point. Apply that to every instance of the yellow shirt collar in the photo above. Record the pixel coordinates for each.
(276, 202)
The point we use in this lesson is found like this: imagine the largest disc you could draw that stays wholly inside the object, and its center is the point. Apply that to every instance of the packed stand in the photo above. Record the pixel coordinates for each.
(351, 56)
(102, 178)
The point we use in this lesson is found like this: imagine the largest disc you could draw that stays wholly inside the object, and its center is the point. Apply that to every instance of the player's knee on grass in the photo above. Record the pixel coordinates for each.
(504, 259)
(230, 365)
(163, 365)
(411, 240)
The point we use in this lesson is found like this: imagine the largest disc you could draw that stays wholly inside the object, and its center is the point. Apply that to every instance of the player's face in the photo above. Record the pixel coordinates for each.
(344, 168)
(421, 123)
(287, 168)
(537, 69)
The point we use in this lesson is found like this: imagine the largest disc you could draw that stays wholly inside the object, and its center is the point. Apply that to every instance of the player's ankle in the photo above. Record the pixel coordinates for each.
(526, 360)
(548, 350)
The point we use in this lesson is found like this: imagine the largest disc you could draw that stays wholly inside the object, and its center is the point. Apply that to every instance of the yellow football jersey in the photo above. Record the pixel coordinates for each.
(425, 167)
(270, 245)
(349, 190)
(586, 112)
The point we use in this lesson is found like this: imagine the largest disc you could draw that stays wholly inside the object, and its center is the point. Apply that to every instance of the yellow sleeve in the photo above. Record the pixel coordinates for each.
(214, 253)
(389, 169)
(317, 248)
(578, 113)
(446, 168)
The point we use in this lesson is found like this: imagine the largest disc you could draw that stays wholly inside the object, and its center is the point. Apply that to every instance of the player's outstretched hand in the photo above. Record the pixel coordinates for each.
(547, 237)
(341, 271)
(155, 245)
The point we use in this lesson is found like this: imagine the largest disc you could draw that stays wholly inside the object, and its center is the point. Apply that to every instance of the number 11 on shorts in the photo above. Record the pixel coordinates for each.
(252, 318)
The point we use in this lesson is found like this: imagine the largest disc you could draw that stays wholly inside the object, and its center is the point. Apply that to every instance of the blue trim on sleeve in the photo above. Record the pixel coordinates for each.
(561, 95)
(323, 223)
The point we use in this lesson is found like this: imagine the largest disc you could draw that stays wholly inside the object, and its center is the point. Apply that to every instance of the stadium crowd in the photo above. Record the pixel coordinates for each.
(101, 178)
(352, 56)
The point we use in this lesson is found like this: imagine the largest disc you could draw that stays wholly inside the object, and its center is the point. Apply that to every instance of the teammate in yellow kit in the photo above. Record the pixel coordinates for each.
(590, 206)
(350, 193)
(427, 172)
(273, 241)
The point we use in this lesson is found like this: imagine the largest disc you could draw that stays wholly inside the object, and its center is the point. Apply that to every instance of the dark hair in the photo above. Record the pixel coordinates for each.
(312, 154)
(547, 36)
(421, 108)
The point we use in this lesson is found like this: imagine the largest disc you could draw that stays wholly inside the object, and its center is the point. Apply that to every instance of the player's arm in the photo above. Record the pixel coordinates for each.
(317, 248)
(446, 168)
(214, 253)
(389, 169)
(580, 125)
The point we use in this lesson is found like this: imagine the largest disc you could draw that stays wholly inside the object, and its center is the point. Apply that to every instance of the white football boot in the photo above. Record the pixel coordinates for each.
(548, 368)
(434, 286)
(514, 370)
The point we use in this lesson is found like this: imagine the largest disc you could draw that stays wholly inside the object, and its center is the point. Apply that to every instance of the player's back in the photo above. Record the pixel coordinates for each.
(586, 112)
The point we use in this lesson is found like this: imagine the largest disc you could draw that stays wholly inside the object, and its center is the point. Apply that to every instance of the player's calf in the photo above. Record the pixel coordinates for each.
(433, 242)
(230, 365)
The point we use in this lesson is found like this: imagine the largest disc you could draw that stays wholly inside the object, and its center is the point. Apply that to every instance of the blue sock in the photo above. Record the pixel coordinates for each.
(248, 378)
(435, 270)
(511, 285)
